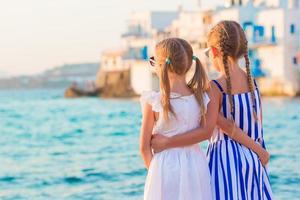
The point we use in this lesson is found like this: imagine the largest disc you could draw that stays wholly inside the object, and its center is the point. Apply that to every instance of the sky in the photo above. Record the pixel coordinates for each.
(36, 35)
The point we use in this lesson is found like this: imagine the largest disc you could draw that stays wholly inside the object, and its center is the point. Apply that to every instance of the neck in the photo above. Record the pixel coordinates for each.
(233, 67)
(179, 85)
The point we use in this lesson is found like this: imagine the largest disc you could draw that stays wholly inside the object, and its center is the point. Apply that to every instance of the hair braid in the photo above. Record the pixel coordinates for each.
(244, 51)
(228, 82)
(225, 49)
(250, 84)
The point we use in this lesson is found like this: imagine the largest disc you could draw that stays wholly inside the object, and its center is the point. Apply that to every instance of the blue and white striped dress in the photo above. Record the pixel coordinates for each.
(236, 171)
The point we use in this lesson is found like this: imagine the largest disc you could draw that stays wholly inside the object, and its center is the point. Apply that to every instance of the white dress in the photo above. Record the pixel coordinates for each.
(177, 173)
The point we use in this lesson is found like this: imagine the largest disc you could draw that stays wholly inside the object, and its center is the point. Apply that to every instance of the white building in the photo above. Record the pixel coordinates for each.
(273, 31)
(113, 61)
(192, 26)
(280, 60)
(144, 30)
(272, 28)
(142, 33)
(143, 77)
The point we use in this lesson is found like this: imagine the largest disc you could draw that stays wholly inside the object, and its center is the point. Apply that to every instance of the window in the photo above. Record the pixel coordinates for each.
(250, 52)
(273, 34)
(295, 60)
(247, 24)
(259, 33)
(292, 28)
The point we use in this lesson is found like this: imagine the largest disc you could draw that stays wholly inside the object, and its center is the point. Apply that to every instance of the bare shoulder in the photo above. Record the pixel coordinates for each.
(222, 81)
(213, 91)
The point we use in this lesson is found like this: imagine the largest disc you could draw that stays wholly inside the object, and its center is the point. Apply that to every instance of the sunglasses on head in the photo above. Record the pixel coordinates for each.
(152, 61)
(206, 51)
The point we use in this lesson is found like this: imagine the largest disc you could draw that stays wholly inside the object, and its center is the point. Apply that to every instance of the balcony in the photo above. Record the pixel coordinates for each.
(135, 31)
(136, 53)
(257, 70)
(256, 35)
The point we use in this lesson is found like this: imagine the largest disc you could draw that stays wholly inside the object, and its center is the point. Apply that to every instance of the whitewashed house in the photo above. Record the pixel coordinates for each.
(144, 31)
(272, 28)
(282, 27)
(273, 31)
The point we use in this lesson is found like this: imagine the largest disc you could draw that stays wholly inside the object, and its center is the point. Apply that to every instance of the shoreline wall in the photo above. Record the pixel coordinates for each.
(114, 84)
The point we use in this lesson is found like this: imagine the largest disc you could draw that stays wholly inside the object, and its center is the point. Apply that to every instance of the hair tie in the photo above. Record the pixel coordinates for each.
(168, 61)
(194, 58)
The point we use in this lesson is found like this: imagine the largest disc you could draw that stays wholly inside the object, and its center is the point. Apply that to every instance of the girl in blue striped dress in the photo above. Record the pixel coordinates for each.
(236, 163)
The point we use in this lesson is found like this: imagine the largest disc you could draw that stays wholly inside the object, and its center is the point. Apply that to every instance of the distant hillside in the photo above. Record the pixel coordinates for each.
(81, 70)
(58, 77)
(3, 74)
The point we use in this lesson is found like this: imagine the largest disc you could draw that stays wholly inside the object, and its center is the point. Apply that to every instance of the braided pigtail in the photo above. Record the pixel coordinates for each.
(228, 82)
(250, 84)
(225, 49)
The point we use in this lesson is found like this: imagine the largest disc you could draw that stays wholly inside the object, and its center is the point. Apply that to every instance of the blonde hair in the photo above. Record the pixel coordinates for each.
(230, 39)
(189, 51)
(180, 54)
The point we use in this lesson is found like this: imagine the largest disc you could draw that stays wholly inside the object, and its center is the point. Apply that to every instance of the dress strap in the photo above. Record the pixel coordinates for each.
(219, 85)
(255, 83)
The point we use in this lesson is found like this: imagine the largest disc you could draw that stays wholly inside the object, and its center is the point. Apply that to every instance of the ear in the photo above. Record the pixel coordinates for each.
(214, 51)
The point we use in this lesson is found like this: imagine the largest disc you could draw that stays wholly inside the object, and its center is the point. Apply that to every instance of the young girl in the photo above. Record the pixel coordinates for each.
(237, 172)
(178, 173)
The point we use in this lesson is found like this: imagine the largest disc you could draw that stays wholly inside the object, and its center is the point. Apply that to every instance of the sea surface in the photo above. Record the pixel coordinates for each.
(87, 148)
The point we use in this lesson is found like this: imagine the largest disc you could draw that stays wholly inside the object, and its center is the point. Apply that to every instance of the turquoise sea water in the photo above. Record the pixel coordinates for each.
(56, 148)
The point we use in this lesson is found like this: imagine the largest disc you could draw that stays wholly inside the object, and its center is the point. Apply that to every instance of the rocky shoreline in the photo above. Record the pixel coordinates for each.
(109, 84)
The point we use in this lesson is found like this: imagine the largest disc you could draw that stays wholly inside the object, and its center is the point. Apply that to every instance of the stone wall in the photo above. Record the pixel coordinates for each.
(114, 84)
(277, 87)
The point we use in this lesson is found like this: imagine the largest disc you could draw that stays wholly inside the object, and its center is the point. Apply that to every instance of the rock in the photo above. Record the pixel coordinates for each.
(109, 84)
(115, 84)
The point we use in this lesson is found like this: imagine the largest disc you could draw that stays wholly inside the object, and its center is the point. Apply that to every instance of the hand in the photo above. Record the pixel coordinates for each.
(147, 160)
(159, 143)
(263, 156)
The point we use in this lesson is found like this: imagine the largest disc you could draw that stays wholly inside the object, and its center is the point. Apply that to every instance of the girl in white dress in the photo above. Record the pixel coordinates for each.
(178, 173)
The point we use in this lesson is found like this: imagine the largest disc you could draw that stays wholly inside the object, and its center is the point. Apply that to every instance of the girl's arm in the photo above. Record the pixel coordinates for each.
(146, 133)
(160, 143)
(241, 137)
